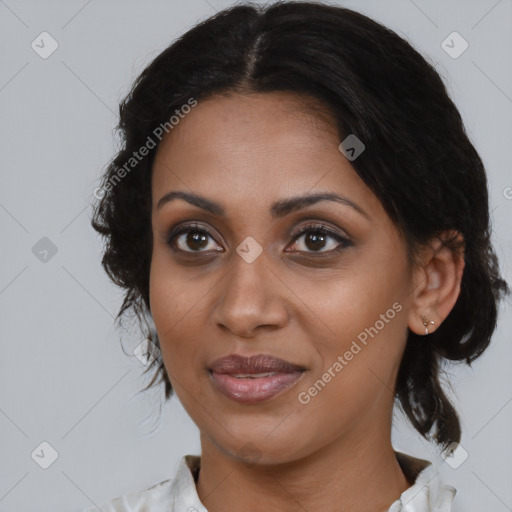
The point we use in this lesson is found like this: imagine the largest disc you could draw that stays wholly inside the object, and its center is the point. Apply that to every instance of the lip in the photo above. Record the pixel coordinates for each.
(259, 363)
(249, 390)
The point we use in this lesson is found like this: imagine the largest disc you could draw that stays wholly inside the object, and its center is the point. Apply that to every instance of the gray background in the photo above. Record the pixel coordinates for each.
(64, 378)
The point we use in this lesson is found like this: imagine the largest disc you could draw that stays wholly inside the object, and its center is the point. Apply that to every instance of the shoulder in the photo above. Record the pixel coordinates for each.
(166, 496)
(428, 493)
(147, 499)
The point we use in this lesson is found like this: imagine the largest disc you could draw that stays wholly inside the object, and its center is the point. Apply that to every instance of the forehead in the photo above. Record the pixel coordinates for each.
(249, 149)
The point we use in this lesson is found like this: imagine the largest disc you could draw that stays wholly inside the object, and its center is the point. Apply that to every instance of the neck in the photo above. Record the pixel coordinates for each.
(356, 472)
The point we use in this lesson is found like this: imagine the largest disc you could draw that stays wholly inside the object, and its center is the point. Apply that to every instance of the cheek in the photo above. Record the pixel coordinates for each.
(178, 311)
(358, 372)
(363, 329)
(171, 295)
(365, 296)
(169, 298)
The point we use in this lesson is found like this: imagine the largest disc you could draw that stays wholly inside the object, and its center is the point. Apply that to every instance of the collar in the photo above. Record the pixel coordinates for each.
(426, 494)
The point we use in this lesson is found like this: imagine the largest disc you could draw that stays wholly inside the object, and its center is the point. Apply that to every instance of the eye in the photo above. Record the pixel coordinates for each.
(193, 236)
(316, 238)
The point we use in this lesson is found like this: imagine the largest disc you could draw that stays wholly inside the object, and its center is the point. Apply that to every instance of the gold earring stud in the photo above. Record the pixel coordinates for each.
(426, 321)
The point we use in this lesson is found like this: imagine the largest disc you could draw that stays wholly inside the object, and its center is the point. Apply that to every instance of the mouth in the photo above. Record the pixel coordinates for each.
(254, 379)
(252, 376)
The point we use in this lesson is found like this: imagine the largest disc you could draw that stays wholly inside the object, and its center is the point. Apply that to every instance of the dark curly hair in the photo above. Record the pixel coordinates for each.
(418, 161)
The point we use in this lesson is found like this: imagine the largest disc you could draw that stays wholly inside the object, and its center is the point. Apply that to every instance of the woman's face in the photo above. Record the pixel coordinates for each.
(240, 279)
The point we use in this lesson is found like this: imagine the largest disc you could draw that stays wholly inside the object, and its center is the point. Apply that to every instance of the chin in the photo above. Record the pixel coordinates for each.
(259, 450)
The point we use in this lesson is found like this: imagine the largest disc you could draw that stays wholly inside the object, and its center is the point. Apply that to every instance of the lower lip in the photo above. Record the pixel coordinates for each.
(249, 391)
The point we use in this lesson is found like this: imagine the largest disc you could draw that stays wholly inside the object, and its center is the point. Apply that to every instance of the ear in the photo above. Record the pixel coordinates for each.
(437, 281)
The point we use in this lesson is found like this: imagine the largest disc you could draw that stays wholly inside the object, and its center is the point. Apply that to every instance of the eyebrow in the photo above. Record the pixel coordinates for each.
(278, 209)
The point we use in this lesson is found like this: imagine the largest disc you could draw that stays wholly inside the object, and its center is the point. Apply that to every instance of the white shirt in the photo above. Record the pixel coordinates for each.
(427, 494)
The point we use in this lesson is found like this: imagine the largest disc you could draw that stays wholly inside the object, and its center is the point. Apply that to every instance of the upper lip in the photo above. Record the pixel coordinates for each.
(260, 363)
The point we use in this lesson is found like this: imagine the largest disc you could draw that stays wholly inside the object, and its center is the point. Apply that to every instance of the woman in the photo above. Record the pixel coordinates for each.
(299, 212)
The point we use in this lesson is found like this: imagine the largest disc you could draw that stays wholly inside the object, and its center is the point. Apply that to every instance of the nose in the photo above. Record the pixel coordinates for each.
(251, 297)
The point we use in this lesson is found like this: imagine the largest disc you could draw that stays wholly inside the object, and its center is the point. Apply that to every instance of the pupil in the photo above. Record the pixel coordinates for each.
(197, 240)
(194, 237)
(315, 239)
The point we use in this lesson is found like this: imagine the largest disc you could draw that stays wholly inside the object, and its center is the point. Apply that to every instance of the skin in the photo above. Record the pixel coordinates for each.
(334, 453)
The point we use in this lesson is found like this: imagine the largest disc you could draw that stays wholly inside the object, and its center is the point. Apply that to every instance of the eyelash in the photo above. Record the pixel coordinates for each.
(321, 229)
(312, 228)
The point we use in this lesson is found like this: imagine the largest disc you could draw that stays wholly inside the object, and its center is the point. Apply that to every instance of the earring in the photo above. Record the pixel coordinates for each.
(426, 321)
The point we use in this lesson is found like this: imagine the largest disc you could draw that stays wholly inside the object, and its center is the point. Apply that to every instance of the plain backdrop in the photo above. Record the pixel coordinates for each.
(64, 378)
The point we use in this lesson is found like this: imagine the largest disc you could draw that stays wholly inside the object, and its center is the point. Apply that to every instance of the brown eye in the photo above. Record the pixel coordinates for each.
(320, 239)
(191, 238)
(196, 240)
